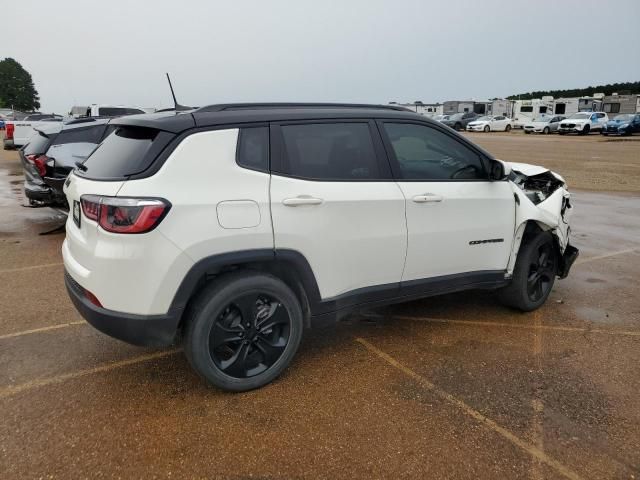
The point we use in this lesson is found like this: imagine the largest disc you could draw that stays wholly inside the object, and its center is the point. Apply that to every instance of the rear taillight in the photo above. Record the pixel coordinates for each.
(92, 298)
(40, 162)
(9, 128)
(125, 215)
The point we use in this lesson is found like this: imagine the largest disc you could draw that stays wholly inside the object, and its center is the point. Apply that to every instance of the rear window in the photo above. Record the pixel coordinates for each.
(127, 151)
(38, 144)
(91, 134)
(330, 151)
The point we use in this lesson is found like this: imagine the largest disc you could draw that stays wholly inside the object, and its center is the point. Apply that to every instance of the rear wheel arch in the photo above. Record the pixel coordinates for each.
(287, 265)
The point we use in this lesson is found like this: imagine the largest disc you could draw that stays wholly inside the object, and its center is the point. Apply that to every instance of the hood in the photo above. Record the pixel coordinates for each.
(575, 120)
(617, 122)
(478, 122)
(537, 124)
(531, 170)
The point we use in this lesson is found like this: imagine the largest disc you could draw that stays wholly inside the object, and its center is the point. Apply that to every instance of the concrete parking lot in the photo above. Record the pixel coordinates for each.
(448, 387)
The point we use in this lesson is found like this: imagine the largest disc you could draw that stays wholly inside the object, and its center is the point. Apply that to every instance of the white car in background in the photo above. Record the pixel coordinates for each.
(490, 123)
(544, 124)
(583, 123)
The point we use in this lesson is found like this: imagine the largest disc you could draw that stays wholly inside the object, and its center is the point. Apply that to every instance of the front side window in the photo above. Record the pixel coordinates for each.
(330, 151)
(253, 148)
(424, 153)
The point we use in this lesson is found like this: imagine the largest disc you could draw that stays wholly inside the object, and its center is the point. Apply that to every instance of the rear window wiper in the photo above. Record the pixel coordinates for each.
(81, 166)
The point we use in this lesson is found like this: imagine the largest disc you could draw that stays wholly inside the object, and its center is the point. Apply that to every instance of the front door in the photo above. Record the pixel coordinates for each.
(458, 221)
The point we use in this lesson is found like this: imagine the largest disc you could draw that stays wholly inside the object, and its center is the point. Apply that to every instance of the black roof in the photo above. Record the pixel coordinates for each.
(237, 113)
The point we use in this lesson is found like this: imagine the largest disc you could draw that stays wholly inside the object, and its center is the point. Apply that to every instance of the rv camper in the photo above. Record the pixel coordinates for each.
(524, 111)
(615, 104)
(565, 106)
(455, 106)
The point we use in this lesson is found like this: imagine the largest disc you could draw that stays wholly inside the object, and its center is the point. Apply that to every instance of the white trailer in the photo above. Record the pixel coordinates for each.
(524, 111)
(565, 106)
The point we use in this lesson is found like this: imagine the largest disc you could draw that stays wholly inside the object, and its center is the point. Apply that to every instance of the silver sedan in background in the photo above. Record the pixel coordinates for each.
(544, 124)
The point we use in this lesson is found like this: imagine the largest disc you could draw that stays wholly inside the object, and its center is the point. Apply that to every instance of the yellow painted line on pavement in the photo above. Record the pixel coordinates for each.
(536, 402)
(628, 333)
(487, 422)
(15, 389)
(42, 329)
(32, 267)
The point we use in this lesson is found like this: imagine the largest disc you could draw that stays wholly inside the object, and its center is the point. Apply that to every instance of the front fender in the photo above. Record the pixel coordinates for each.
(552, 215)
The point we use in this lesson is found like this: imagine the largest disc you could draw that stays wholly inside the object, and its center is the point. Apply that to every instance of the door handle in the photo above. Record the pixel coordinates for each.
(301, 200)
(427, 198)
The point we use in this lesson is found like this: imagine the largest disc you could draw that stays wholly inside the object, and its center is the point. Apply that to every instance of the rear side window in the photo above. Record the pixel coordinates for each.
(253, 148)
(91, 134)
(330, 151)
(38, 144)
(127, 151)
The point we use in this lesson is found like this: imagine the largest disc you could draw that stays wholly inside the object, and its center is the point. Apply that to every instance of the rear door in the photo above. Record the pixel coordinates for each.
(458, 221)
(334, 201)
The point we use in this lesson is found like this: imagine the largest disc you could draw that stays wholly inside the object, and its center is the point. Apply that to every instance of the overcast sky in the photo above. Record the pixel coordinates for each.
(112, 51)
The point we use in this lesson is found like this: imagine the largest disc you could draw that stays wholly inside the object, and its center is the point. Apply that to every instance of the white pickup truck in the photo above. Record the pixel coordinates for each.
(23, 129)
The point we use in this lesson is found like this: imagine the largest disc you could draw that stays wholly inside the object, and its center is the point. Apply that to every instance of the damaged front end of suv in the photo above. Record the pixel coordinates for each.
(543, 202)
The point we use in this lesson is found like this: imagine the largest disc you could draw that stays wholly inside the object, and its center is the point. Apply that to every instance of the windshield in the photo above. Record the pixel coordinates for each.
(486, 118)
(580, 116)
(626, 117)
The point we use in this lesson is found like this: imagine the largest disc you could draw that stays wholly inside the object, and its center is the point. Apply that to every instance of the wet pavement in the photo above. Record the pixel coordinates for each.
(448, 387)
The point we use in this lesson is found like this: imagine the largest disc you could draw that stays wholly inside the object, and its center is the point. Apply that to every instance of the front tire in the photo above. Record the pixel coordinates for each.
(243, 330)
(586, 130)
(457, 126)
(507, 128)
(533, 276)
(546, 130)
(487, 129)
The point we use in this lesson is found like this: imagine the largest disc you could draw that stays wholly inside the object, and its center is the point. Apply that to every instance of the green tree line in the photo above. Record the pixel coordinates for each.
(627, 88)
(17, 90)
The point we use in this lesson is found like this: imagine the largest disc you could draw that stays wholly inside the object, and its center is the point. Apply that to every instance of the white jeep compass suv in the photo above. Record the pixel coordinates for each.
(233, 227)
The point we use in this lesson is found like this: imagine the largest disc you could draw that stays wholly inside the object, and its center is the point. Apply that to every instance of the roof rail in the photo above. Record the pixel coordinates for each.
(255, 106)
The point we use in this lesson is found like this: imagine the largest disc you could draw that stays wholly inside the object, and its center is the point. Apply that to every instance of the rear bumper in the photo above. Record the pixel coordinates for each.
(143, 330)
(8, 143)
(566, 261)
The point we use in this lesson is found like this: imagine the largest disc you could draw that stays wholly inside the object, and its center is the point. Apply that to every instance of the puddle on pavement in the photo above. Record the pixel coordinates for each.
(16, 216)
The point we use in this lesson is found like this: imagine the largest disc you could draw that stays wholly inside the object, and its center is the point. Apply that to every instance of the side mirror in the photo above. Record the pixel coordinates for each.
(499, 170)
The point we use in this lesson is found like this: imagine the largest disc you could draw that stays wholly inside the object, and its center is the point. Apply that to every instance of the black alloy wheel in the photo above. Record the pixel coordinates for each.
(542, 271)
(242, 330)
(249, 335)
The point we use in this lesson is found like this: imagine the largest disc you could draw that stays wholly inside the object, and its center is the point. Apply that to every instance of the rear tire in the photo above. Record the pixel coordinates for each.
(242, 330)
(533, 276)
(457, 126)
